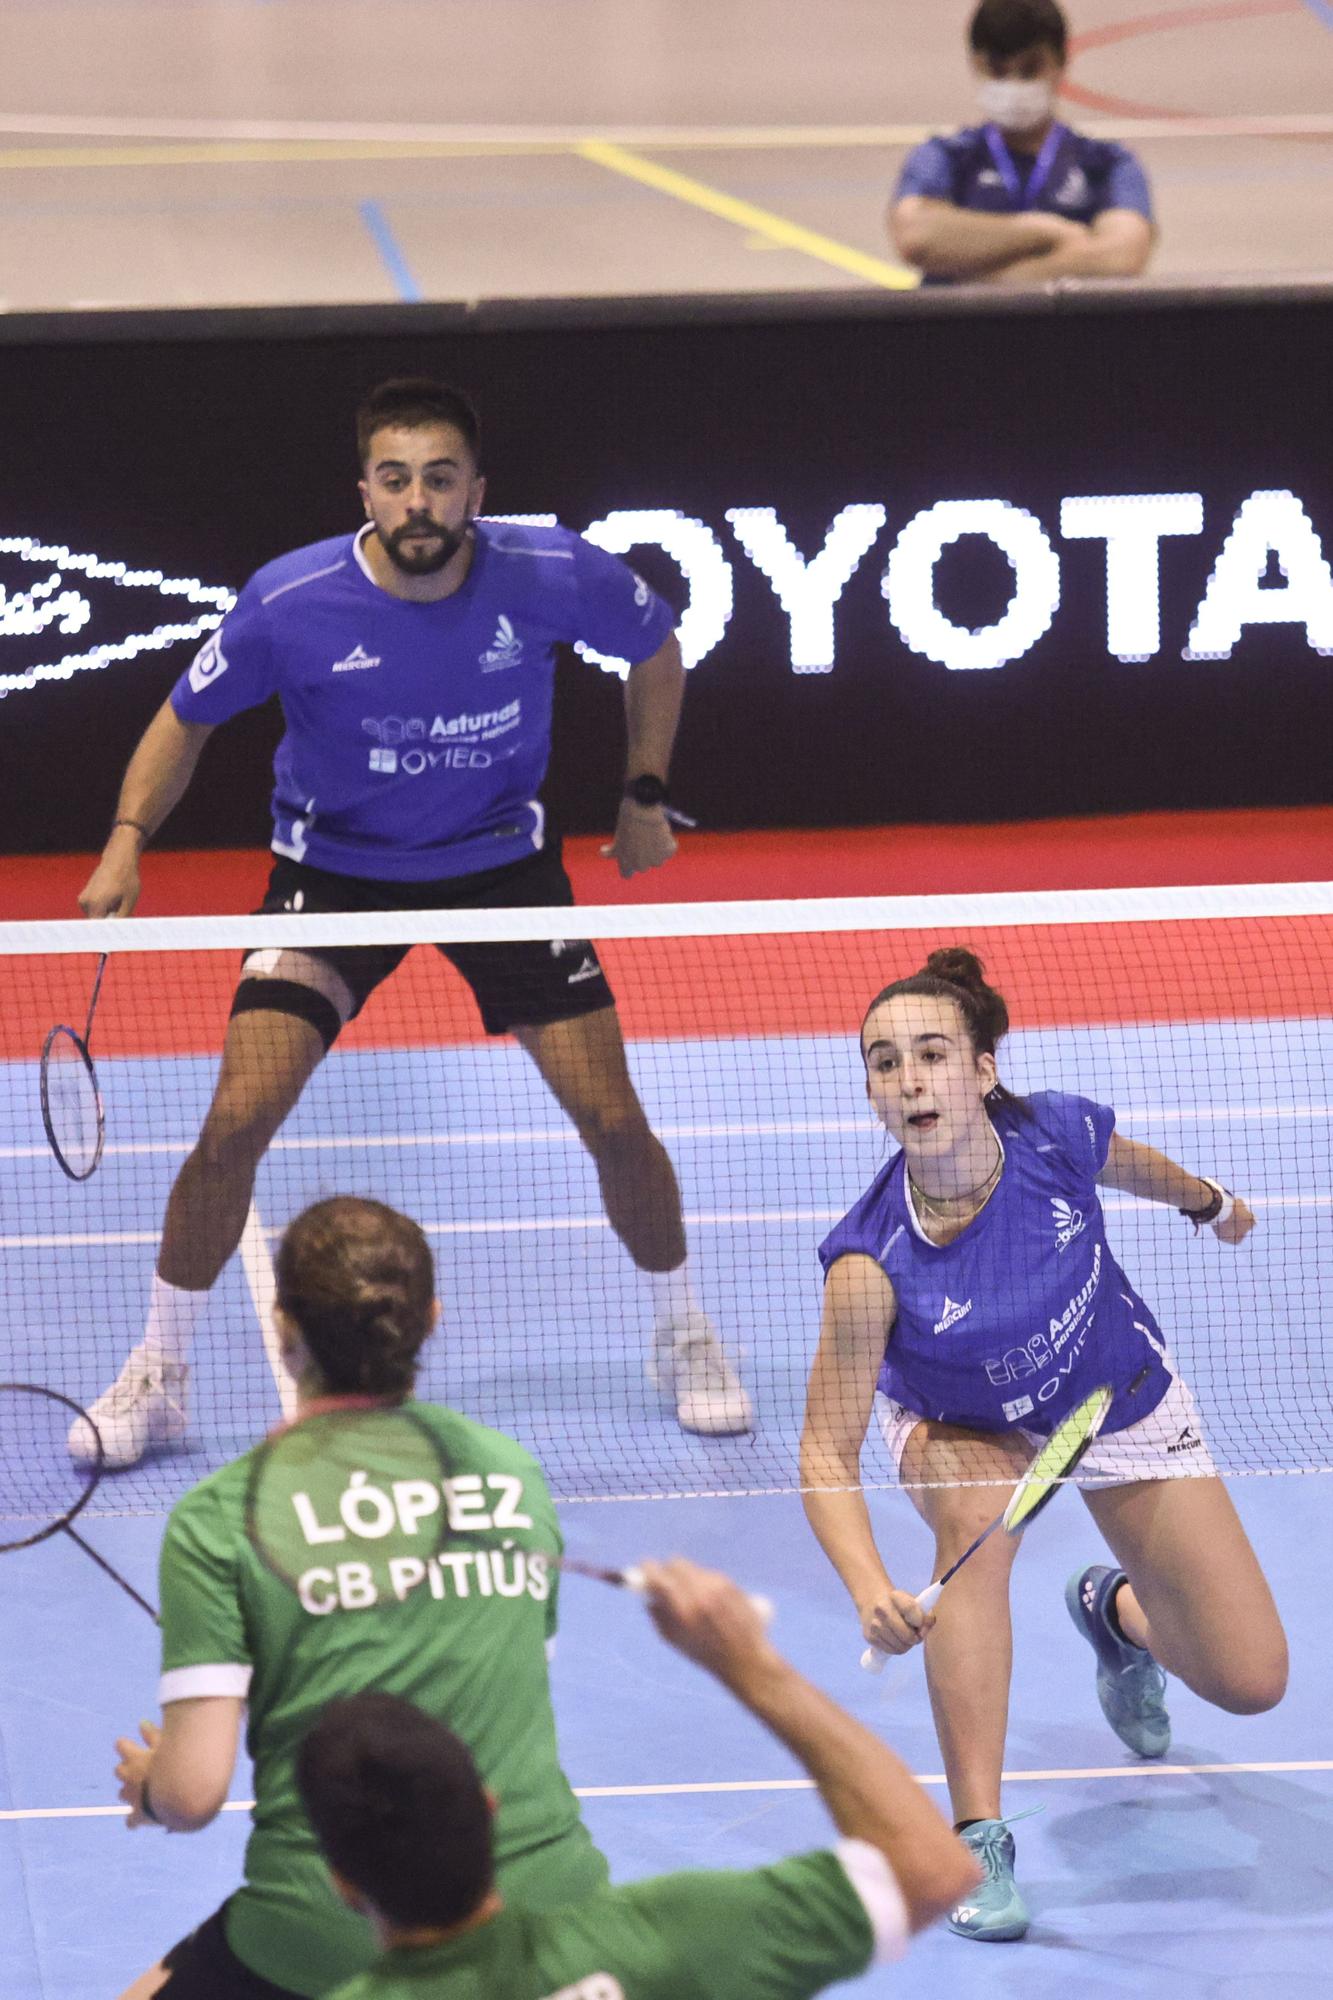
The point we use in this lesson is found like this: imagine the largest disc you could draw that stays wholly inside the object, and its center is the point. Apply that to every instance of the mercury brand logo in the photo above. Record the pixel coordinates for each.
(952, 1314)
(1188, 1440)
(356, 660)
(1069, 1222)
(587, 968)
(506, 649)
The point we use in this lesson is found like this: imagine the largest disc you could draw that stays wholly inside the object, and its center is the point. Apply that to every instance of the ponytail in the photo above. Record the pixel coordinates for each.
(358, 1280)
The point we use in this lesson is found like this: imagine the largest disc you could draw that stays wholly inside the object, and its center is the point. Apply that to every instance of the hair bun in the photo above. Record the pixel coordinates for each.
(957, 964)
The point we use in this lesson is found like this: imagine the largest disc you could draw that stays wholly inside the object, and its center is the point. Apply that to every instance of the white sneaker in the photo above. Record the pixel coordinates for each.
(146, 1405)
(688, 1364)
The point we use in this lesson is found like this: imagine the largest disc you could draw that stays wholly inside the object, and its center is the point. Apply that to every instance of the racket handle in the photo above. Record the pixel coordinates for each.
(763, 1607)
(872, 1660)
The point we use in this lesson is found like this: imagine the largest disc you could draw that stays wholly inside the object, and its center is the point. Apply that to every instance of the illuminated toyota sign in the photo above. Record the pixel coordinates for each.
(1269, 528)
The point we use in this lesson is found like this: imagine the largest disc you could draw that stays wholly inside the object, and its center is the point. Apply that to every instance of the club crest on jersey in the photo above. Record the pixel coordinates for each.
(208, 664)
(1069, 1222)
(505, 649)
(951, 1315)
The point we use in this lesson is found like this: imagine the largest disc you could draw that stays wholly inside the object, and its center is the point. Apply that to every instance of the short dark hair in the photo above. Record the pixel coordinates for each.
(398, 1807)
(411, 402)
(358, 1279)
(1003, 28)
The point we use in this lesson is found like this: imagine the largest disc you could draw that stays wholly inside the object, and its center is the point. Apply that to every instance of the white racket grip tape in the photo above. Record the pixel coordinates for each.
(763, 1607)
(872, 1660)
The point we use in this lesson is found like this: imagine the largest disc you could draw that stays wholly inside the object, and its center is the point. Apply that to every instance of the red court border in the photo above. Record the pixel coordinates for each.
(1217, 13)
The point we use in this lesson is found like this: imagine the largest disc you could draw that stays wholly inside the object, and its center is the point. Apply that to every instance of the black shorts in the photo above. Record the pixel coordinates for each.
(203, 1966)
(517, 985)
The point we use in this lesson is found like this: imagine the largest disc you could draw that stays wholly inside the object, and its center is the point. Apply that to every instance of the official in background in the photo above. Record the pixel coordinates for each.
(1021, 199)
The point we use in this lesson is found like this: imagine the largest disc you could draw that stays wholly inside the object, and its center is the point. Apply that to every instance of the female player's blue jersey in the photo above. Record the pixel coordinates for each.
(1026, 1312)
(417, 734)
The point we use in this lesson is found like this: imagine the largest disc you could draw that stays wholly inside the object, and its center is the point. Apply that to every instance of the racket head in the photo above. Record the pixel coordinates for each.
(72, 1110)
(355, 1481)
(42, 1488)
(1056, 1460)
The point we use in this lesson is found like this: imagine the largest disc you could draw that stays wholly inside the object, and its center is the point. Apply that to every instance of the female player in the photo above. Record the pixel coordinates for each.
(356, 1298)
(971, 1298)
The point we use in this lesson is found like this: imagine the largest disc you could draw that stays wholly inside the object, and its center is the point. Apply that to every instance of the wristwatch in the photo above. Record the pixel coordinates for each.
(646, 790)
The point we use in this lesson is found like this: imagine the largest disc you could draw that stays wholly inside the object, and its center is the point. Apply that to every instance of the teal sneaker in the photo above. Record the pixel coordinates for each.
(1130, 1684)
(994, 1912)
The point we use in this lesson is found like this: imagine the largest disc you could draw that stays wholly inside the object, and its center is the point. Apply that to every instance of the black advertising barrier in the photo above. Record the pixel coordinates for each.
(949, 557)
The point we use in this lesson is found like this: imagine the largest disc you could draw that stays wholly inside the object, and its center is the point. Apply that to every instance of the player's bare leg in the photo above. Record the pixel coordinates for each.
(1197, 1599)
(582, 1061)
(969, 1654)
(267, 1060)
(268, 1057)
(147, 1984)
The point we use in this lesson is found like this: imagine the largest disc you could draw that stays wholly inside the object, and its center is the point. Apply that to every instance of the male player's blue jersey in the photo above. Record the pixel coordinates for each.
(417, 734)
(1027, 1312)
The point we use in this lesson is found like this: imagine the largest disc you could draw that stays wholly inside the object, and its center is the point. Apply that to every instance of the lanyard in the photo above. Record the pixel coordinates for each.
(1024, 196)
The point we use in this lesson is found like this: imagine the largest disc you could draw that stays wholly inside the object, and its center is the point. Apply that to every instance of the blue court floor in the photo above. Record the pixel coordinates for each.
(1211, 1875)
(1208, 1876)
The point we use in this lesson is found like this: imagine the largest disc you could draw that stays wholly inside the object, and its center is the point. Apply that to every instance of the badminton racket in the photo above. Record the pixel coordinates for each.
(72, 1110)
(42, 1487)
(1035, 1490)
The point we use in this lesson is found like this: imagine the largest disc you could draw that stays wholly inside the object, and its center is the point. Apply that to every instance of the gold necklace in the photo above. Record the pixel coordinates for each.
(979, 1195)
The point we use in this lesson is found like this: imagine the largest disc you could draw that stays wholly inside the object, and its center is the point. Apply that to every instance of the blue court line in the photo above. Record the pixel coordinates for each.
(395, 263)
(1322, 11)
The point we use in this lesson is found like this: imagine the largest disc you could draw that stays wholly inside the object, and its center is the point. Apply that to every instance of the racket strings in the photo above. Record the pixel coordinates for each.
(71, 1103)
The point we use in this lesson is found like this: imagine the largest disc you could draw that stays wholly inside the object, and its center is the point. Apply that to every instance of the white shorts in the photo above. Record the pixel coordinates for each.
(1169, 1443)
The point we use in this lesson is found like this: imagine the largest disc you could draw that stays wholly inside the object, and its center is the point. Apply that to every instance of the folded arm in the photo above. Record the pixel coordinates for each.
(946, 241)
(1117, 244)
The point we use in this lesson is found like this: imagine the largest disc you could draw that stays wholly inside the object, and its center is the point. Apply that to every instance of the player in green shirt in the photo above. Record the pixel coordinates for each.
(404, 1820)
(356, 1298)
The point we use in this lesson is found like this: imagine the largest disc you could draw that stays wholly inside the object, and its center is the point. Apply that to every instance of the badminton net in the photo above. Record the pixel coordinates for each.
(1201, 1015)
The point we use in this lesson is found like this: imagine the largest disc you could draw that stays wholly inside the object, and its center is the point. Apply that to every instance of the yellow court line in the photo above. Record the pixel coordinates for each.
(760, 221)
(147, 150)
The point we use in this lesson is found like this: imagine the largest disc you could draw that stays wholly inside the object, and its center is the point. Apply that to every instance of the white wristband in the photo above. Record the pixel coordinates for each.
(1227, 1199)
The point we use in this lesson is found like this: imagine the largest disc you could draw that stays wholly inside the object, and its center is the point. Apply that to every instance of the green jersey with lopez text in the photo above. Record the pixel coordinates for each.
(462, 1634)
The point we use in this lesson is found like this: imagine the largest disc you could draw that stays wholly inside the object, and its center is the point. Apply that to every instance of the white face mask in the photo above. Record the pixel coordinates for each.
(1016, 103)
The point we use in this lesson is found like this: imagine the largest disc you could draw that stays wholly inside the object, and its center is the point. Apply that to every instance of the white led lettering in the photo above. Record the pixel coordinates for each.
(807, 591)
(909, 583)
(1132, 526)
(25, 613)
(695, 549)
(47, 603)
(1268, 524)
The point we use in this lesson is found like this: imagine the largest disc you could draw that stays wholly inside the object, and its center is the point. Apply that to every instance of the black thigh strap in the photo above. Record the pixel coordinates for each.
(288, 996)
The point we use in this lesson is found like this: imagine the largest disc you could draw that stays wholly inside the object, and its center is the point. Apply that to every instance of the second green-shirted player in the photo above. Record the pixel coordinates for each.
(404, 1823)
(777, 1933)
